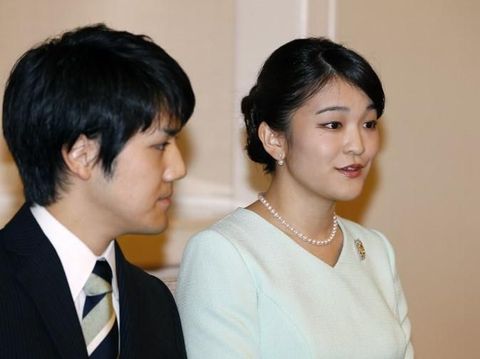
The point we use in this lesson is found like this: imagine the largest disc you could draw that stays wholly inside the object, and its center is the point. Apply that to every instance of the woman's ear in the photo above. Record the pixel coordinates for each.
(82, 157)
(274, 142)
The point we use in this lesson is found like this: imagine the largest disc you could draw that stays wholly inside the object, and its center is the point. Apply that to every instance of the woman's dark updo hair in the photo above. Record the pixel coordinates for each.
(294, 73)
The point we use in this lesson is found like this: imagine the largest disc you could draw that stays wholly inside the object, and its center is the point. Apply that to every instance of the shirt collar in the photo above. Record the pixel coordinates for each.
(76, 258)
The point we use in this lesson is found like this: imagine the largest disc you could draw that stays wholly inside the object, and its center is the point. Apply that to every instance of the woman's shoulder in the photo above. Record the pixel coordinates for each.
(369, 237)
(237, 226)
(359, 229)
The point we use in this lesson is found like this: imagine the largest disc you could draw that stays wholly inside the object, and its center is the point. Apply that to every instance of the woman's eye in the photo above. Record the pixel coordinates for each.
(332, 125)
(371, 124)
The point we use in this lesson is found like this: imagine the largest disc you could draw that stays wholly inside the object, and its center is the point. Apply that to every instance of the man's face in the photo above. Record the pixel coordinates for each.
(136, 197)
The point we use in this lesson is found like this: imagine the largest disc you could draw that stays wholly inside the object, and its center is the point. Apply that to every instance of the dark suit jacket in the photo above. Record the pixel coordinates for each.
(37, 312)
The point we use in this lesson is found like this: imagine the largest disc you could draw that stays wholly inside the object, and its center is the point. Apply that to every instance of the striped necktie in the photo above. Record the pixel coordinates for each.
(99, 324)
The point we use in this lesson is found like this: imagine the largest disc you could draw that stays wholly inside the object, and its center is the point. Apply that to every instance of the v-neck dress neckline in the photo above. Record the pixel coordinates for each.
(347, 242)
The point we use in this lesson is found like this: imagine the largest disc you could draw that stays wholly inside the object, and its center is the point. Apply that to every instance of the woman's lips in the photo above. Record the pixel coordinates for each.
(351, 171)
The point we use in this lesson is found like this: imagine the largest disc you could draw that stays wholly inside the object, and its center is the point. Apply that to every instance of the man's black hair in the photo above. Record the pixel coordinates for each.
(107, 85)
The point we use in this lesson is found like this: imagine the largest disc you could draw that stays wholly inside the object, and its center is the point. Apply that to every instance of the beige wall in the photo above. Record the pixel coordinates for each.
(423, 191)
(427, 196)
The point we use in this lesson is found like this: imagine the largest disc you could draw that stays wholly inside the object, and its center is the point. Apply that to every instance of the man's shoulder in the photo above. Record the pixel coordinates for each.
(15, 238)
(6, 271)
(146, 283)
(22, 224)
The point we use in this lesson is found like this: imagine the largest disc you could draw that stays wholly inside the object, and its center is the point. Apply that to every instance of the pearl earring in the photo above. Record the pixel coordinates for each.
(281, 161)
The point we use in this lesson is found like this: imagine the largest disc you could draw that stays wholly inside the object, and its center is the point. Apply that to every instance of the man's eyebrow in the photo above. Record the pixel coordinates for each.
(171, 131)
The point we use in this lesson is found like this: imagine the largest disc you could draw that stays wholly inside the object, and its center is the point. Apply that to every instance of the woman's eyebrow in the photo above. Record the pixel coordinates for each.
(342, 108)
(332, 108)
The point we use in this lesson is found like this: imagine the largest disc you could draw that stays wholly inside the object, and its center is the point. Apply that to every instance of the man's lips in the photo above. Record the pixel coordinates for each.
(167, 198)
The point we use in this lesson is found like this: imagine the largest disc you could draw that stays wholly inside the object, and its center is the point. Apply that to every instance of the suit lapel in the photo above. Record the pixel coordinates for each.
(144, 328)
(131, 331)
(40, 272)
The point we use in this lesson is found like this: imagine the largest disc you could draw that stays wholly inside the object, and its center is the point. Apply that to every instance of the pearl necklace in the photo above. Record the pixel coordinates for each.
(295, 231)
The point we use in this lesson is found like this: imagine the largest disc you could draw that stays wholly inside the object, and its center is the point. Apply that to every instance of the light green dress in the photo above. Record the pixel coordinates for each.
(246, 290)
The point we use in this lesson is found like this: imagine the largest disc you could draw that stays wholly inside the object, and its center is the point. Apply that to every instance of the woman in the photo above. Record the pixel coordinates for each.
(285, 277)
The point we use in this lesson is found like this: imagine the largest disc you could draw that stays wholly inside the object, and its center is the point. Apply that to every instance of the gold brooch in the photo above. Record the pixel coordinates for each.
(360, 249)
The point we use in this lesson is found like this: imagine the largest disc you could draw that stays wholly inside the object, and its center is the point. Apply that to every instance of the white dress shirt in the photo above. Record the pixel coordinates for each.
(77, 259)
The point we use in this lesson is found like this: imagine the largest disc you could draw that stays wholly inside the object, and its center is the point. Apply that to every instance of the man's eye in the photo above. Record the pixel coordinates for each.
(162, 146)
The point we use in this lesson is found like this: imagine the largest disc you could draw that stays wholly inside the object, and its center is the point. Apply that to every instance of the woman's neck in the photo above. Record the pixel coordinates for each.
(308, 212)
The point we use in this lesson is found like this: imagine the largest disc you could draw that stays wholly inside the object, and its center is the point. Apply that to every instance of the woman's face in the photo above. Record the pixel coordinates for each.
(332, 141)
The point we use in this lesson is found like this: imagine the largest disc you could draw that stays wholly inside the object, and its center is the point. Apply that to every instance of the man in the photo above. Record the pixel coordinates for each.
(90, 119)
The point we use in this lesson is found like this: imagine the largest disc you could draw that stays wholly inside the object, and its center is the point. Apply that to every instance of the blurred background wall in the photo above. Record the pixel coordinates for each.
(423, 192)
